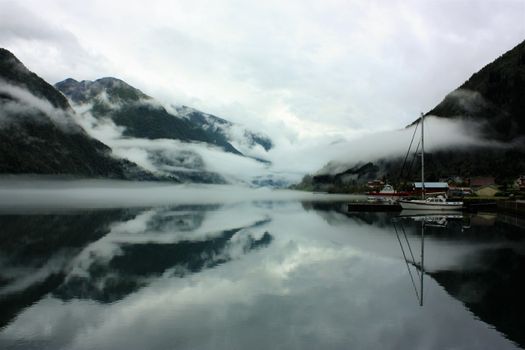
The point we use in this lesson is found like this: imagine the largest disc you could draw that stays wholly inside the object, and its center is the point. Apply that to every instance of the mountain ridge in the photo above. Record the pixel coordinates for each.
(12, 70)
(38, 134)
(174, 140)
(493, 95)
(493, 99)
(138, 113)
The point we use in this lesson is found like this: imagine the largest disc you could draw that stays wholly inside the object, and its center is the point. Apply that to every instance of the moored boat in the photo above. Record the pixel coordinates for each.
(432, 203)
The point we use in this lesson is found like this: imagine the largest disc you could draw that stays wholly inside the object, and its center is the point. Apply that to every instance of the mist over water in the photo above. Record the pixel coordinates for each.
(97, 264)
(51, 192)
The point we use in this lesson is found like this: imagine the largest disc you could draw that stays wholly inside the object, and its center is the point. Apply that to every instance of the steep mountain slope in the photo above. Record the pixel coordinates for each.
(240, 137)
(491, 100)
(139, 114)
(39, 135)
(12, 71)
(183, 142)
(494, 96)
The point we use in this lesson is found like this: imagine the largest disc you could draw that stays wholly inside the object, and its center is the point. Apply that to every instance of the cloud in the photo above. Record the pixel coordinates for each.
(23, 104)
(305, 73)
(347, 66)
(440, 133)
(289, 161)
(44, 45)
(167, 156)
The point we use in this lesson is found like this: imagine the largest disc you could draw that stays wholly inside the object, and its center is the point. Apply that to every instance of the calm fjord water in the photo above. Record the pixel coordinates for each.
(258, 275)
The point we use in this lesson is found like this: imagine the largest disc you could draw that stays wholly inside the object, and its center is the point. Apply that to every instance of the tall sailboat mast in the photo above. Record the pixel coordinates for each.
(438, 203)
(422, 157)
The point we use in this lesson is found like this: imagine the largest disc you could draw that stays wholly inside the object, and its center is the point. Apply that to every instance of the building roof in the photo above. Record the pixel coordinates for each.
(431, 184)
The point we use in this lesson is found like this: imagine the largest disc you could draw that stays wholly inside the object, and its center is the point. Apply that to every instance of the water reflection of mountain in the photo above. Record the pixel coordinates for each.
(105, 255)
(36, 250)
(183, 218)
(487, 277)
(136, 264)
(490, 282)
(494, 292)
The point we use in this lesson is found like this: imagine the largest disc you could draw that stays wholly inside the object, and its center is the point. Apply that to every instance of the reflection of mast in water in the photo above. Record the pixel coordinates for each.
(439, 220)
(422, 259)
(420, 270)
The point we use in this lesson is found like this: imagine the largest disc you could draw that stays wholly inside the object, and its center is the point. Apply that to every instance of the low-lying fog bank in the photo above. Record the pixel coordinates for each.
(49, 192)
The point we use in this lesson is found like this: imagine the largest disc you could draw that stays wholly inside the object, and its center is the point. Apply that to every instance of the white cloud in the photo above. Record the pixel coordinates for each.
(440, 134)
(299, 71)
(44, 45)
(24, 104)
(358, 65)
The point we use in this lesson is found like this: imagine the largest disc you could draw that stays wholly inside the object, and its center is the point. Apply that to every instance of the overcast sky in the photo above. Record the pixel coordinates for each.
(300, 70)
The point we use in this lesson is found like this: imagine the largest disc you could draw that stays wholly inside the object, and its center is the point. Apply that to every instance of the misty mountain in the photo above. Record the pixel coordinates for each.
(491, 101)
(37, 251)
(138, 113)
(493, 96)
(183, 142)
(38, 133)
(241, 137)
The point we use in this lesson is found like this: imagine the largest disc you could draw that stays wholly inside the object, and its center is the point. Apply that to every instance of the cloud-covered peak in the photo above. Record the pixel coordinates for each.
(244, 139)
(13, 72)
(39, 133)
(113, 89)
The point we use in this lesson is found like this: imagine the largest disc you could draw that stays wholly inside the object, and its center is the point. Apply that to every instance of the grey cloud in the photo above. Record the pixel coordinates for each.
(300, 71)
(44, 46)
(440, 134)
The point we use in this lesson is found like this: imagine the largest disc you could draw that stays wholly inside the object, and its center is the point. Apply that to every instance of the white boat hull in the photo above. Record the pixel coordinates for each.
(424, 205)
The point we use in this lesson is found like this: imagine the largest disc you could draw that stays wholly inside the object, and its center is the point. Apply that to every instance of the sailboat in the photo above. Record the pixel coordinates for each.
(432, 203)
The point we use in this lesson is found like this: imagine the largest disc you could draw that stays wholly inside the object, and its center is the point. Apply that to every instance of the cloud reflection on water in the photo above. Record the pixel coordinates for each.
(326, 280)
